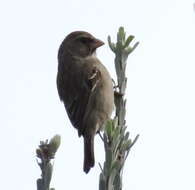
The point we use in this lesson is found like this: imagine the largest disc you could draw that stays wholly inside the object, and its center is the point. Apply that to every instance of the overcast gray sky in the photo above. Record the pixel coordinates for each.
(160, 91)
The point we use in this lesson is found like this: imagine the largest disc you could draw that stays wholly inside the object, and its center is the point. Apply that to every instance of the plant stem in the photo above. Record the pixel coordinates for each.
(117, 143)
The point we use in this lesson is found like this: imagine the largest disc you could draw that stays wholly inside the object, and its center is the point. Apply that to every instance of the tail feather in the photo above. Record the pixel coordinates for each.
(89, 159)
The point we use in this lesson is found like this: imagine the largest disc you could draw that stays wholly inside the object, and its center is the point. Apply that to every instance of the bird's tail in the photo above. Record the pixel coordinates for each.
(88, 153)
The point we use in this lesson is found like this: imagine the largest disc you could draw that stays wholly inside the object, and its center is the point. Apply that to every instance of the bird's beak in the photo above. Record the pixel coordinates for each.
(97, 43)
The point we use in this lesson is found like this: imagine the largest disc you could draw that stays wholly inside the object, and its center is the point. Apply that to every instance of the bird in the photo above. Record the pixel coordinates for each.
(85, 87)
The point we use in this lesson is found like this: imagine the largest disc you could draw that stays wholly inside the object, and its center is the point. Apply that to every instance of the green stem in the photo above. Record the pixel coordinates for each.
(117, 143)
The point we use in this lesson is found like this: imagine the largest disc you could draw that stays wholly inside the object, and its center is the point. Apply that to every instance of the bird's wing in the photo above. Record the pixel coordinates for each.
(82, 90)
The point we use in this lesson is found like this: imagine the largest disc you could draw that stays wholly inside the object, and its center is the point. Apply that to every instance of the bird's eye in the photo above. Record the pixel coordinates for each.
(85, 40)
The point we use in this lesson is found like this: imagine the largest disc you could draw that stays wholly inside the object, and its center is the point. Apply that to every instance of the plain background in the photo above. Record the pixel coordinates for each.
(160, 92)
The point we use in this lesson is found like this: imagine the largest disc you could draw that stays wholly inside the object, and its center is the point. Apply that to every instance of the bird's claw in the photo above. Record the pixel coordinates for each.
(116, 93)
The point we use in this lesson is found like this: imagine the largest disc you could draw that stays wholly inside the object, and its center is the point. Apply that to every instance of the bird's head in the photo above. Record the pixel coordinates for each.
(80, 43)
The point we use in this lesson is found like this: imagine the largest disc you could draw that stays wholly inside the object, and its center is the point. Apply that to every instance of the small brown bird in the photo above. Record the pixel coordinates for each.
(85, 87)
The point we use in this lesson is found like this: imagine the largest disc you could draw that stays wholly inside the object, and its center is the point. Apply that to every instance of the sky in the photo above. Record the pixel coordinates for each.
(160, 90)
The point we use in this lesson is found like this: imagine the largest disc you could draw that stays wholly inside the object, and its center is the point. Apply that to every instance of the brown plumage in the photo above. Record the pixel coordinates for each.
(85, 87)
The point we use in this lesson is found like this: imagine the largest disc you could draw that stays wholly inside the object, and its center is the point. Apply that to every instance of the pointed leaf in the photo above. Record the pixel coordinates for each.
(111, 45)
(109, 129)
(127, 136)
(130, 49)
(128, 41)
